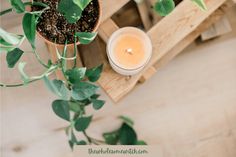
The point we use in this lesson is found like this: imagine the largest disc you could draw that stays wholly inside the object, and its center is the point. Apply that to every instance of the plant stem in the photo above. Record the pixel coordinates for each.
(40, 60)
(17, 85)
(93, 140)
(25, 4)
(6, 11)
(33, 79)
(88, 138)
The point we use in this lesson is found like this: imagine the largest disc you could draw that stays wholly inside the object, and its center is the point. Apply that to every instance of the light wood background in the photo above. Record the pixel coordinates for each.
(188, 108)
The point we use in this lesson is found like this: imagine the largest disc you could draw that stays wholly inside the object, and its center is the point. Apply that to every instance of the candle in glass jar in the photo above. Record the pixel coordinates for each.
(129, 49)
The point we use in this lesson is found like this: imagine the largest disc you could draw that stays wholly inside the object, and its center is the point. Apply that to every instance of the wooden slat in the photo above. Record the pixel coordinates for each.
(155, 17)
(147, 74)
(217, 29)
(87, 53)
(106, 29)
(164, 35)
(216, 16)
(109, 7)
(144, 13)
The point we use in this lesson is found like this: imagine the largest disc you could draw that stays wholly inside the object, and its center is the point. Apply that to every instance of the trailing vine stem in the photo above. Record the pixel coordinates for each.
(25, 4)
(77, 84)
(49, 71)
(39, 59)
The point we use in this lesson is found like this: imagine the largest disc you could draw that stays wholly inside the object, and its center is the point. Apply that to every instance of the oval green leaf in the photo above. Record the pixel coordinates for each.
(82, 123)
(97, 104)
(75, 75)
(164, 7)
(70, 10)
(111, 138)
(57, 87)
(18, 6)
(94, 73)
(83, 90)
(8, 39)
(61, 109)
(86, 37)
(29, 27)
(127, 135)
(13, 57)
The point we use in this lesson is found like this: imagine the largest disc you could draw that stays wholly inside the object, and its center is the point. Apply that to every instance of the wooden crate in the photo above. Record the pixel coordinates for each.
(169, 37)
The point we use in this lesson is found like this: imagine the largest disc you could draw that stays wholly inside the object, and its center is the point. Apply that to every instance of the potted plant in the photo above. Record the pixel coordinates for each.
(62, 23)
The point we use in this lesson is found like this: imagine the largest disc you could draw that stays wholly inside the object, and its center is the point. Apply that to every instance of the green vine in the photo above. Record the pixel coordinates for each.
(77, 90)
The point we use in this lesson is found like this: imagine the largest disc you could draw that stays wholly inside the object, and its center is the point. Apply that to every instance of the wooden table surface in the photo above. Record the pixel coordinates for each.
(188, 108)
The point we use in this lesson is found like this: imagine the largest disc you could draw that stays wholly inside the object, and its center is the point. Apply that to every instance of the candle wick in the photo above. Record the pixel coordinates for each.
(129, 51)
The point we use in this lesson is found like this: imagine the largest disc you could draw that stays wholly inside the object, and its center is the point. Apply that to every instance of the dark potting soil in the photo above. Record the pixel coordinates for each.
(177, 2)
(53, 26)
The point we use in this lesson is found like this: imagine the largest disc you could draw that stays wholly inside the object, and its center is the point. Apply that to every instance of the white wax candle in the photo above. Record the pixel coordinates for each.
(129, 49)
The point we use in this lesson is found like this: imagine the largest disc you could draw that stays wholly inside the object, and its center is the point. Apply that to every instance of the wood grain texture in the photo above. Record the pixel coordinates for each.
(216, 16)
(164, 36)
(109, 7)
(143, 9)
(187, 109)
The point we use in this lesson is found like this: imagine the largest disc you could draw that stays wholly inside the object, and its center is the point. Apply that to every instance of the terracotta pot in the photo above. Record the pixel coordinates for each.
(72, 44)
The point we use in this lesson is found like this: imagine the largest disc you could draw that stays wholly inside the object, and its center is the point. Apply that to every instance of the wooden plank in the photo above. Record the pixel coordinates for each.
(109, 7)
(148, 74)
(216, 16)
(144, 13)
(87, 53)
(171, 30)
(219, 28)
(106, 29)
(155, 17)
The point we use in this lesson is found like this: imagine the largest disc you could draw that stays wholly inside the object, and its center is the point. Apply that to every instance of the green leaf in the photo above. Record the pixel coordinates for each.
(8, 39)
(82, 123)
(140, 142)
(3, 42)
(29, 27)
(127, 120)
(6, 49)
(75, 75)
(82, 3)
(83, 90)
(127, 135)
(164, 7)
(18, 6)
(70, 10)
(13, 57)
(74, 106)
(86, 37)
(82, 142)
(95, 96)
(201, 4)
(61, 109)
(94, 73)
(97, 104)
(57, 87)
(71, 144)
(111, 137)
(24, 77)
